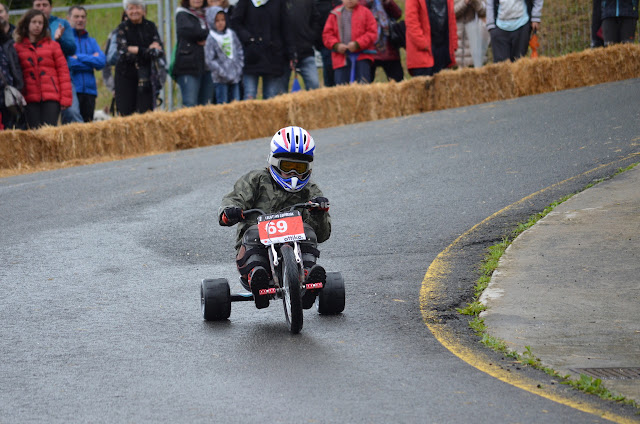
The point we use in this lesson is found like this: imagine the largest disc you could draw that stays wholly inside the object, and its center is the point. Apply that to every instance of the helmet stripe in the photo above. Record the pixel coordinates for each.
(299, 144)
(306, 146)
(284, 138)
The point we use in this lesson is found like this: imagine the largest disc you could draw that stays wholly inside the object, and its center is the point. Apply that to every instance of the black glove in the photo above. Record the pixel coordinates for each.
(231, 215)
(323, 204)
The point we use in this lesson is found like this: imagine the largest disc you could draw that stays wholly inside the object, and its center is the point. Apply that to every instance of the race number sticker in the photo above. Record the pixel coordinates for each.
(281, 228)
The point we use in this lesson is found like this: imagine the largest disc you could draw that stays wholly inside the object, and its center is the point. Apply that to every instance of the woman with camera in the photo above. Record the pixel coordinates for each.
(139, 47)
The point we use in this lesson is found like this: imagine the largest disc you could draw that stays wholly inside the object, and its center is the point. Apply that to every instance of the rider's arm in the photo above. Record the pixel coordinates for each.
(243, 195)
(319, 220)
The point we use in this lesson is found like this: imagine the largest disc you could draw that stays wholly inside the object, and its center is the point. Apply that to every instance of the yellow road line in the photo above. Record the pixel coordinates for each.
(432, 287)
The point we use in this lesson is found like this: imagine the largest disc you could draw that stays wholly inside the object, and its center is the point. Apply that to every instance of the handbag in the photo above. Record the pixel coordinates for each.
(397, 34)
(12, 99)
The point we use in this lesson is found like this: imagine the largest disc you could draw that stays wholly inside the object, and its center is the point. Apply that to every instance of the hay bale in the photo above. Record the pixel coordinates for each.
(158, 132)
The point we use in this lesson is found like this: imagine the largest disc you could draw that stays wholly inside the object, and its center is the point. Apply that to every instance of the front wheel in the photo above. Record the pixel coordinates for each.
(215, 299)
(291, 283)
(330, 300)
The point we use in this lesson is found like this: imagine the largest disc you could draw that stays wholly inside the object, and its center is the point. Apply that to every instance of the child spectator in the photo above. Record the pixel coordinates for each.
(351, 32)
(47, 84)
(387, 56)
(224, 56)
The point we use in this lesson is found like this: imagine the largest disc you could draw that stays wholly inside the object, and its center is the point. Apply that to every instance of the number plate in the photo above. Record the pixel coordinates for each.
(281, 228)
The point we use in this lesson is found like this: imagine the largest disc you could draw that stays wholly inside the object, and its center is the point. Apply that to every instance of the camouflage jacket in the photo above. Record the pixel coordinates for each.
(258, 190)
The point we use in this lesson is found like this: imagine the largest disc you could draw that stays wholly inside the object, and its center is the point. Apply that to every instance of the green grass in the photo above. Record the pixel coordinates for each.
(474, 308)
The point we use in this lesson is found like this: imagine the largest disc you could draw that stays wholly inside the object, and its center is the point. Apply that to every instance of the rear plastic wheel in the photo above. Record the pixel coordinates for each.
(330, 300)
(215, 299)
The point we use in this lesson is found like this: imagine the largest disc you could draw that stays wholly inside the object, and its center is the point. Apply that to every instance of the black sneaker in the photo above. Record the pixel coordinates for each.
(258, 280)
(316, 274)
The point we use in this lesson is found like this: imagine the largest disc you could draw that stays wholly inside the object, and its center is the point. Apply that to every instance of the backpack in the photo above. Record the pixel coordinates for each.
(172, 61)
(111, 49)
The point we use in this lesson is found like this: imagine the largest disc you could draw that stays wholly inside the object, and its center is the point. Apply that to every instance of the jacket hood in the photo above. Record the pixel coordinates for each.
(211, 16)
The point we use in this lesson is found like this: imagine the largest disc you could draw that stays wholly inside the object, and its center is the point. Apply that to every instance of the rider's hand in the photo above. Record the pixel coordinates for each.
(231, 215)
(323, 204)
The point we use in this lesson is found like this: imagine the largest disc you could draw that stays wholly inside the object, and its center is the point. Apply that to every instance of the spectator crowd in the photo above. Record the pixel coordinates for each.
(227, 49)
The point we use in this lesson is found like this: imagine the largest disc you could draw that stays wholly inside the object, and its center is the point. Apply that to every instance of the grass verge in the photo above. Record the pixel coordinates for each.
(473, 309)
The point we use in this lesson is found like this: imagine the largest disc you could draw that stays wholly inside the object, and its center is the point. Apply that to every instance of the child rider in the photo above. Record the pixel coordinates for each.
(283, 183)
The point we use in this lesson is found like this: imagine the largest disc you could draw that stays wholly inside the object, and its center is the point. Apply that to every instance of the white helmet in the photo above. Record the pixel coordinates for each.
(291, 157)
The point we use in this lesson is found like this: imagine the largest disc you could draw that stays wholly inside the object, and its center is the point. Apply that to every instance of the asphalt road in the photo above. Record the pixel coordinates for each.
(100, 269)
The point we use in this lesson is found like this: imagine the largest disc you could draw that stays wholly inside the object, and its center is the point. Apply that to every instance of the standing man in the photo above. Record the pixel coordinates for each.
(510, 23)
(88, 57)
(305, 24)
(325, 7)
(4, 18)
(61, 32)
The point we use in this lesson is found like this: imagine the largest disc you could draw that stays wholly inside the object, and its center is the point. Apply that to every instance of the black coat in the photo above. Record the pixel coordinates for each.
(140, 35)
(324, 7)
(265, 36)
(619, 8)
(305, 24)
(189, 54)
(14, 64)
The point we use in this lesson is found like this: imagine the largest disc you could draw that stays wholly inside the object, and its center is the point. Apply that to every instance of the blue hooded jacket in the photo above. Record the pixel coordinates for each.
(84, 63)
(66, 40)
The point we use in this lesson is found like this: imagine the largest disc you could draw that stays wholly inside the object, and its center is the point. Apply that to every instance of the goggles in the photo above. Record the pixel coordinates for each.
(287, 166)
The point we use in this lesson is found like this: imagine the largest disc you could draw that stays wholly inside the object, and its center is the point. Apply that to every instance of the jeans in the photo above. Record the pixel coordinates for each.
(271, 86)
(361, 73)
(72, 113)
(308, 71)
(226, 93)
(195, 89)
(327, 68)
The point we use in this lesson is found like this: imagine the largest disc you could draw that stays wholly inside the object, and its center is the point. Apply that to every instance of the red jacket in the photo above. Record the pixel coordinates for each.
(45, 72)
(364, 31)
(419, 53)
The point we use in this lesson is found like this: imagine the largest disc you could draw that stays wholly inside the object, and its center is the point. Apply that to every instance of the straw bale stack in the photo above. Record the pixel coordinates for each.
(156, 132)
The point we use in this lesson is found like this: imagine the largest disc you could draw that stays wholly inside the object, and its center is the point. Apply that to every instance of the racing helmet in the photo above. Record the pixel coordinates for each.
(291, 158)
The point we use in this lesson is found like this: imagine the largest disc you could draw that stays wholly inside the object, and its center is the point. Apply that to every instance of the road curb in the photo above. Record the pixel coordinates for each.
(438, 307)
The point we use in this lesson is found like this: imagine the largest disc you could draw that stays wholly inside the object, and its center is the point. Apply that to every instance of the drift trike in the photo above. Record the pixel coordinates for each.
(280, 234)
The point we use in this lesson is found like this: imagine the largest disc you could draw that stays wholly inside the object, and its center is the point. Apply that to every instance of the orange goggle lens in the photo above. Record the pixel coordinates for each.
(287, 166)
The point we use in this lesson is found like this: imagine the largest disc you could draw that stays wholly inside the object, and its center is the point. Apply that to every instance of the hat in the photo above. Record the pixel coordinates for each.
(127, 2)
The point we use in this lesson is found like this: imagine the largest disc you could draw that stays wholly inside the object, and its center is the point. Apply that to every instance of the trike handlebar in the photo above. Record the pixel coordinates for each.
(306, 205)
